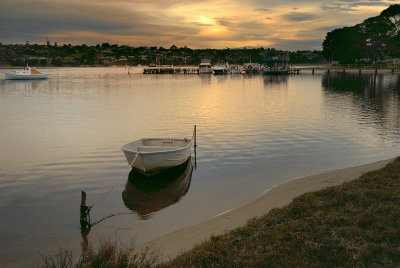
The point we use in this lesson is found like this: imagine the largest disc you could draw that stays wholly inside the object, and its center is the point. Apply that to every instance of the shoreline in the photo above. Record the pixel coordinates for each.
(177, 242)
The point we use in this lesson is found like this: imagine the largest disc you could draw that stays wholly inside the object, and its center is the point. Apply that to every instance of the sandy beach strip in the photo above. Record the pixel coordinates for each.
(171, 245)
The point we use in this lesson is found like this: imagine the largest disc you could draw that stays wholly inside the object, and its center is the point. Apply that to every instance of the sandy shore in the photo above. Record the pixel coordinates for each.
(179, 241)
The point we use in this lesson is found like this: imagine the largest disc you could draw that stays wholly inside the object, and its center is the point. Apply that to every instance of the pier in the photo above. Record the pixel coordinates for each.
(271, 71)
(171, 70)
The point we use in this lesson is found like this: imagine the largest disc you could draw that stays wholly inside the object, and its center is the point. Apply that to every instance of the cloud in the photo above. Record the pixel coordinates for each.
(299, 16)
(262, 9)
(197, 24)
(292, 45)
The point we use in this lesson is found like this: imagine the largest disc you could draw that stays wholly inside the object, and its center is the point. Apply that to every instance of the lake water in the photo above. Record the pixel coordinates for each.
(61, 136)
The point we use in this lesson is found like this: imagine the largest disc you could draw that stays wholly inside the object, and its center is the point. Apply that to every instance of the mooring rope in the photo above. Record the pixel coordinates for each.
(112, 187)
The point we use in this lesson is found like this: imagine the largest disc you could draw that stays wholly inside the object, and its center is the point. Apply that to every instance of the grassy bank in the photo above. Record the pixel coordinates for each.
(354, 224)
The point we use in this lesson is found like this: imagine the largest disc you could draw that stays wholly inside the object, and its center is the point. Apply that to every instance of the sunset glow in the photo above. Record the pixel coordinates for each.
(199, 24)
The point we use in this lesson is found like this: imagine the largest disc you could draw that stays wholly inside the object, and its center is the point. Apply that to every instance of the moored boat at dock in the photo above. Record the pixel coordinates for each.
(252, 68)
(235, 69)
(205, 67)
(221, 68)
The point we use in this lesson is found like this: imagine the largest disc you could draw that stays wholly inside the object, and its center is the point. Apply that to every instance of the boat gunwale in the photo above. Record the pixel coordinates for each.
(159, 152)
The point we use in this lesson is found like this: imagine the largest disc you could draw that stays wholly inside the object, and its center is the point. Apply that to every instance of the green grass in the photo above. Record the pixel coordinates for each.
(354, 225)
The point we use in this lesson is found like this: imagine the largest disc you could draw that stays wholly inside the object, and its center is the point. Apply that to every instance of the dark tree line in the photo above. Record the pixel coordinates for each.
(104, 54)
(375, 39)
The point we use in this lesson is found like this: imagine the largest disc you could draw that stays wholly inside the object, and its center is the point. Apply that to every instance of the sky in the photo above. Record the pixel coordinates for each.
(281, 24)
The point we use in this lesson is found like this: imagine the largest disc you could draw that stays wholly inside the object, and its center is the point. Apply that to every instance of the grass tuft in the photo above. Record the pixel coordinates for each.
(108, 254)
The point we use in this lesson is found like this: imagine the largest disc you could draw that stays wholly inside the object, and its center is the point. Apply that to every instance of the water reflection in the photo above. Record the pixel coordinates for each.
(26, 86)
(374, 97)
(366, 84)
(274, 79)
(205, 79)
(145, 195)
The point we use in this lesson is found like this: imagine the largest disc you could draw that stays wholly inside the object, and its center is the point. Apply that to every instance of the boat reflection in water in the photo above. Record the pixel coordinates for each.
(145, 195)
(274, 79)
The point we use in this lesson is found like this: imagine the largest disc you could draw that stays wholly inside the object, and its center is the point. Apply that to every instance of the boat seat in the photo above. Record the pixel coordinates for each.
(150, 149)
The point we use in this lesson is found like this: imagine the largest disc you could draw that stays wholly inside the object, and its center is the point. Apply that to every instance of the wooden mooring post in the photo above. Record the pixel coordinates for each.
(359, 71)
(195, 136)
(84, 210)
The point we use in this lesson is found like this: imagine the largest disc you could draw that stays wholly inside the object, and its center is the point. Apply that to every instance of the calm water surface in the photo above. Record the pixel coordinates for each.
(61, 136)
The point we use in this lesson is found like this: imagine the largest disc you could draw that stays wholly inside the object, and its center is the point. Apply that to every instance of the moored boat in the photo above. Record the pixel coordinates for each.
(205, 67)
(28, 73)
(221, 68)
(235, 69)
(154, 155)
(252, 68)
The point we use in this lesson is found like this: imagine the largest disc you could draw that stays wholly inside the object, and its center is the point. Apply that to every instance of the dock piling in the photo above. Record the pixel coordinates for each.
(195, 136)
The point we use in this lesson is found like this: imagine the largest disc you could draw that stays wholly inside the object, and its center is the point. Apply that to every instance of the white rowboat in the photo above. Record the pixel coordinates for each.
(27, 73)
(151, 156)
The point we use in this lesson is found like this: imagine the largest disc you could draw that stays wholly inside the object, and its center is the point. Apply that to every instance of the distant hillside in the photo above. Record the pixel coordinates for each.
(375, 39)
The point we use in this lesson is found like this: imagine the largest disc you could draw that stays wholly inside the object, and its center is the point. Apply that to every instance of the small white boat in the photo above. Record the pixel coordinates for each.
(205, 67)
(221, 68)
(28, 73)
(152, 156)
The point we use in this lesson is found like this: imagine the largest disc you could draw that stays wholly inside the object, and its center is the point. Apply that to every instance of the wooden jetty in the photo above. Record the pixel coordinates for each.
(171, 70)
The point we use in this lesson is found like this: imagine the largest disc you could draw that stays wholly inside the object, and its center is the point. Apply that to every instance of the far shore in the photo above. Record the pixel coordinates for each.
(309, 67)
(175, 243)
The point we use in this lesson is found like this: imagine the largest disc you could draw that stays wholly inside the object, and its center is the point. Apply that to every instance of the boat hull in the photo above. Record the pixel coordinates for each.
(203, 70)
(151, 163)
(11, 76)
(220, 71)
